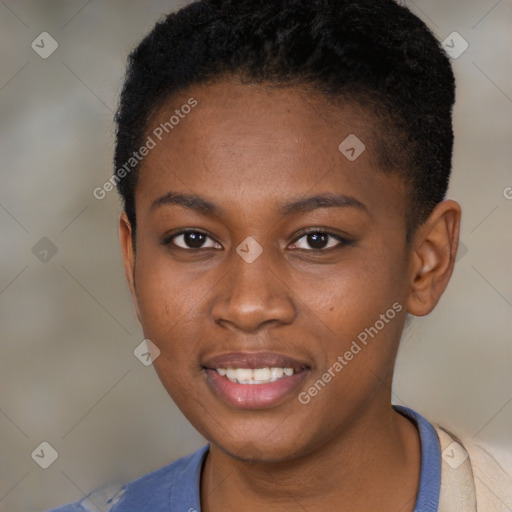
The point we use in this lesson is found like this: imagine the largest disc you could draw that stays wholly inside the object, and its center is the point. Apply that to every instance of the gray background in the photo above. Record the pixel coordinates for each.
(68, 374)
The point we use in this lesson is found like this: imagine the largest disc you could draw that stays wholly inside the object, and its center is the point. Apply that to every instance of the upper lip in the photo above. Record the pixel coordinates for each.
(253, 360)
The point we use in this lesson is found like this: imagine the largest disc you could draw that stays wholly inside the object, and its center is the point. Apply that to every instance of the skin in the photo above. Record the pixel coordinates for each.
(250, 148)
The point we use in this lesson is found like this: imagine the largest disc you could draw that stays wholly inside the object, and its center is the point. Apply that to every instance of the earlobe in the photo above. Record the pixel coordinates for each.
(128, 252)
(433, 257)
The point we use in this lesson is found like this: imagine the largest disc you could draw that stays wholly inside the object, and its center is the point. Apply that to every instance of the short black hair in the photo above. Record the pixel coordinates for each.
(374, 52)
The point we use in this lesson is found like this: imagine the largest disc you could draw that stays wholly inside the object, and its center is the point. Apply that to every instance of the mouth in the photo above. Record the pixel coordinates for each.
(254, 380)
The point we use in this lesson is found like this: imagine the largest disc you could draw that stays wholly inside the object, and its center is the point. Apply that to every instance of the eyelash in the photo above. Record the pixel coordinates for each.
(342, 241)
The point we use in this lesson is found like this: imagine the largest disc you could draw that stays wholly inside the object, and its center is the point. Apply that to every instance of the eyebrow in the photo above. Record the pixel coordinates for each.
(306, 204)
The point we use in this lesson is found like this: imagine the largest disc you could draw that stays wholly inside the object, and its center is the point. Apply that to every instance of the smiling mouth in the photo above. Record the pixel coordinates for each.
(263, 375)
(254, 380)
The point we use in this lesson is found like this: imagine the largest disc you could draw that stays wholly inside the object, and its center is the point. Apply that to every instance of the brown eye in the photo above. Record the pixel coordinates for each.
(319, 240)
(191, 240)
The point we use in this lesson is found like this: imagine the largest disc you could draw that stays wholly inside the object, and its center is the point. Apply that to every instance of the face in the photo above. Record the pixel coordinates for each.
(261, 246)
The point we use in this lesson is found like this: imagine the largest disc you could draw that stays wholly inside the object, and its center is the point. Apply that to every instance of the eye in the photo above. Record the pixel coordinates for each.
(191, 240)
(319, 240)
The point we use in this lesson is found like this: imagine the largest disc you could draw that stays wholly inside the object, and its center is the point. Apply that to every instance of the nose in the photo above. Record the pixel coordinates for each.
(253, 295)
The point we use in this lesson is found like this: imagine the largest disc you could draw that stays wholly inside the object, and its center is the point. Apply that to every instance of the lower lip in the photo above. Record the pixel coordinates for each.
(254, 396)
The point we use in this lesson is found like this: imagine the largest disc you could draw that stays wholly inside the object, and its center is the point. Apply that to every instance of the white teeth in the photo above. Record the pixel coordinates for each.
(255, 376)
(276, 373)
(261, 374)
(243, 374)
(231, 374)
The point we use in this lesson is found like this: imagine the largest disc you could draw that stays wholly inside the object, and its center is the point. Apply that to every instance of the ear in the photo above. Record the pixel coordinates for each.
(434, 251)
(128, 251)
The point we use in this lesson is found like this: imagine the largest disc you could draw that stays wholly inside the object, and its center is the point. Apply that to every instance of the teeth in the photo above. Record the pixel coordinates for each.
(276, 373)
(255, 376)
(261, 374)
(231, 374)
(244, 374)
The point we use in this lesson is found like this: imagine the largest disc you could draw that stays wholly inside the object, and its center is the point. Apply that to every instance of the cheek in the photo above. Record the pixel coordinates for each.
(167, 303)
(361, 305)
(353, 296)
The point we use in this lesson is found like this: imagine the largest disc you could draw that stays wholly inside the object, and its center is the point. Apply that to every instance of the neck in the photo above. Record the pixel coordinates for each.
(372, 465)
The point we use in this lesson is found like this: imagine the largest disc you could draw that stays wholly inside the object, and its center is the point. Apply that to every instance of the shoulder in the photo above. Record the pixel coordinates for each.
(470, 468)
(153, 491)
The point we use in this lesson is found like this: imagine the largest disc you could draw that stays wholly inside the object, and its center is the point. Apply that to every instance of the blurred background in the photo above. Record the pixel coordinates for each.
(68, 374)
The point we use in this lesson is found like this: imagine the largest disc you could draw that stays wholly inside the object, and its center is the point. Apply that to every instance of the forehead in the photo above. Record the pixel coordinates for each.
(265, 142)
(235, 117)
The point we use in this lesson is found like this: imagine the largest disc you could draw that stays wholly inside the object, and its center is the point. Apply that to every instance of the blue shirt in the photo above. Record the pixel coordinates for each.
(175, 488)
